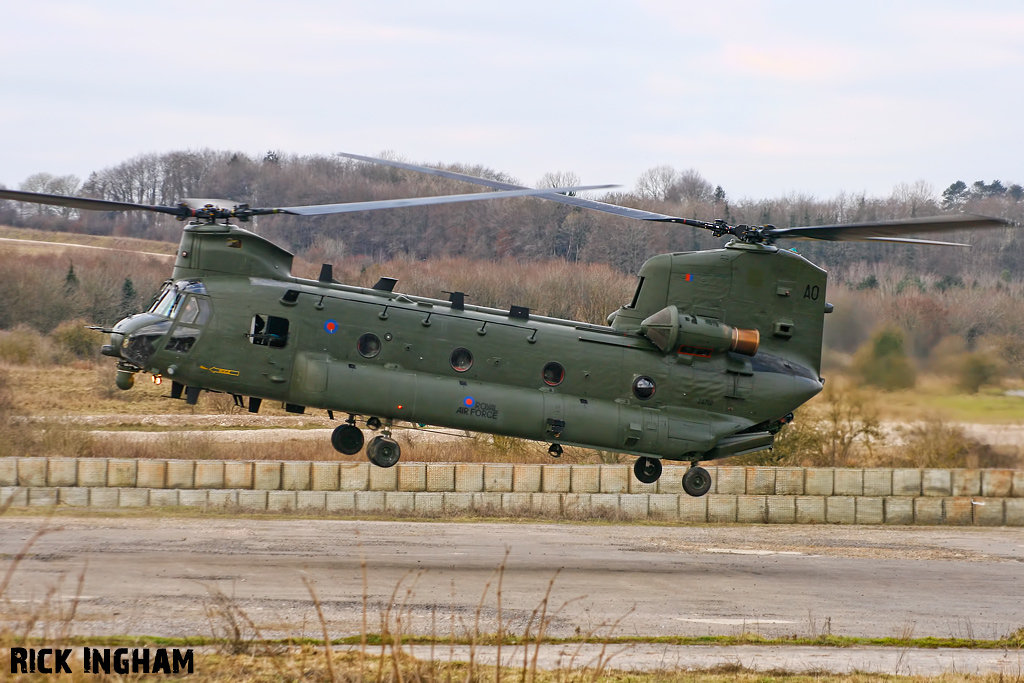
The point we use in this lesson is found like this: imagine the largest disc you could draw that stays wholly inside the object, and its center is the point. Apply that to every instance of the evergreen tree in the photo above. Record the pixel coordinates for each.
(70, 280)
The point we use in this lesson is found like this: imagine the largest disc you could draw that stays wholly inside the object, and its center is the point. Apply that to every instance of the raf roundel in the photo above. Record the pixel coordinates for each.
(468, 402)
(331, 326)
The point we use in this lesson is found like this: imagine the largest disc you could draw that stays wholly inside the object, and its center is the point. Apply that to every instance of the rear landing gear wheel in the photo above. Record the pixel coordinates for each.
(647, 470)
(696, 481)
(347, 439)
(383, 451)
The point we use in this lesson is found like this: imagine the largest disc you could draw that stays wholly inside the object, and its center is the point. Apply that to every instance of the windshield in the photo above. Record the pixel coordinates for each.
(173, 296)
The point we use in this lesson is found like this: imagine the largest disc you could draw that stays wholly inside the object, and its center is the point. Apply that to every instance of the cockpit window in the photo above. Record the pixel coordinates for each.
(173, 296)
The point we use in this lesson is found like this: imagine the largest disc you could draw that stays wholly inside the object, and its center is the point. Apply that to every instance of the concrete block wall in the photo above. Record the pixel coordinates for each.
(783, 495)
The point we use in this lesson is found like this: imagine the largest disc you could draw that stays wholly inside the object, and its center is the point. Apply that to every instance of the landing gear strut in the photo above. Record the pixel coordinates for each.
(647, 470)
(696, 481)
(383, 451)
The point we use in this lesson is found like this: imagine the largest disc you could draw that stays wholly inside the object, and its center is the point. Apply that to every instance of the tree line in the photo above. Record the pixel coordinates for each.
(515, 228)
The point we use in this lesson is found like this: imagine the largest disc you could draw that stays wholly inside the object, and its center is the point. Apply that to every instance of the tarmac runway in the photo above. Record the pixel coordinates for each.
(181, 576)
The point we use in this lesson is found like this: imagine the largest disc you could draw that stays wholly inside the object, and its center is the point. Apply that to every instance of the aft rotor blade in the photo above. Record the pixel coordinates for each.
(88, 204)
(888, 230)
(320, 209)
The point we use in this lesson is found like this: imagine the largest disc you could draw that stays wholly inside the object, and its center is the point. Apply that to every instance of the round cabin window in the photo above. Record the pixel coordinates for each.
(643, 387)
(553, 374)
(368, 345)
(461, 359)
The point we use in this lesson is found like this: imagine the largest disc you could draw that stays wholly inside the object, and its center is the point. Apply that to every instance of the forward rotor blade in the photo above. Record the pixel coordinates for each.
(88, 204)
(320, 209)
(888, 230)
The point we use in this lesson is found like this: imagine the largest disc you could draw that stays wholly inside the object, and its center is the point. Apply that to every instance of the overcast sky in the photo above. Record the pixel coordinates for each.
(763, 98)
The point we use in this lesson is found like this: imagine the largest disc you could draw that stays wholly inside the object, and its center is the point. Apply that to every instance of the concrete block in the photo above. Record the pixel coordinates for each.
(354, 476)
(1018, 484)
(966, 482)
(556, 479)
(340, 501)
(325, 476)
(74, 496)
(399, 502)
(310, 500)
(958, 511)
(577, 505)
(634, 505)
(527, 478)
(488, 503)
(819, 481)
(928, 511)
(121, 473)
(1013, 511)
(237, 474)
(458, 503)
(694, 510)
(760, 481)
(223, 499)
(296, 476)
(163, 498)
(370, 502)
(281, 501)
(604, 505)
(585, 479)
(429, 504)
(781, 509)
(848, 482)
(197, 498)
(252, 500)
(906, 482)
(133, 498)
(42, 495)
(996, 483)
(547, 504)
(840, 509)
(62, 472)
(498, 478)
(151, 474)
(730, 480)
(615, 478)
(209, 474)
(789, 481)
(810, 509)
(665, 506)
(870, 510)
(412, 476)
(383, 478)
(181, 474)
(105, 498)
(517, 504)
(32, 472)
(92, 472)
(878, 482)
(15, 495)
(988, 512)
(752, 509)
(8, 471)
(469, 478)
(899, 510)
(440, 476)
(266, 475)
(721, 507)
(671, 481)
(936, 483)
(637, 486)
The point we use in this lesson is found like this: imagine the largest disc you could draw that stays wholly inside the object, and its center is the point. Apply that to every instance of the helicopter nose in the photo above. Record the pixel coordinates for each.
(113, 349)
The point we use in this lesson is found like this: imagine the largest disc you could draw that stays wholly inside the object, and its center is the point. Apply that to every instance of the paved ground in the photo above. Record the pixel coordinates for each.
(167, 576)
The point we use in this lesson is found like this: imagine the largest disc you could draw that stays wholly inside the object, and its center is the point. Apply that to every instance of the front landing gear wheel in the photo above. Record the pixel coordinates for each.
(647, 470)
(347, 439)
(383, 451)
(696, 481)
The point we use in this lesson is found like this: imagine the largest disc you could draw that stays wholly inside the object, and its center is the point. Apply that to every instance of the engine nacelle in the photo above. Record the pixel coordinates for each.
(672, 331)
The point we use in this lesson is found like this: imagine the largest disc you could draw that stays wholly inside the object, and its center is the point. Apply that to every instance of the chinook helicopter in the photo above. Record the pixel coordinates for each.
(708, 360)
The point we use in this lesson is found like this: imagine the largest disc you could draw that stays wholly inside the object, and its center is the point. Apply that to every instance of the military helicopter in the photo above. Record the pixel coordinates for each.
(708, 360)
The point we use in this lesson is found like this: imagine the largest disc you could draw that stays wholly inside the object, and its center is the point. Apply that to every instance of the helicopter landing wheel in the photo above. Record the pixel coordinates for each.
(647, 470)
(696, 481)
(347, 439)
(383, 451)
